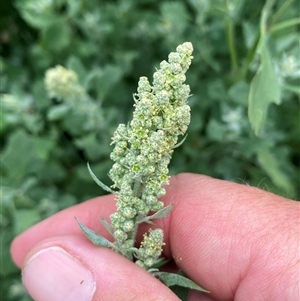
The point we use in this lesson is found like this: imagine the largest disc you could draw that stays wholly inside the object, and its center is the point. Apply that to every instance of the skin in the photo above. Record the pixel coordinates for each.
(239, 242)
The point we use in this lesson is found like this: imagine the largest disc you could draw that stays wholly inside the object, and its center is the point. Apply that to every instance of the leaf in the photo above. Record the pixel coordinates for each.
(25, 218)
(162, 213)
(264, 89)
(75, 64)
(58, 32)
(271, 165)
(98, 182)
(265, 86)
(96, 238)
(58, 112)
(24, 154)
(107, 226)
(170, 279)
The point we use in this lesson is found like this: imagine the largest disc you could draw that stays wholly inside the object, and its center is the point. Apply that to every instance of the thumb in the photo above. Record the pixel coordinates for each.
(68, 267)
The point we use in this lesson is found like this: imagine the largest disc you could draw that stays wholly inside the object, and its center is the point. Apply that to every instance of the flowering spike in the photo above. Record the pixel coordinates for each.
(142, 151)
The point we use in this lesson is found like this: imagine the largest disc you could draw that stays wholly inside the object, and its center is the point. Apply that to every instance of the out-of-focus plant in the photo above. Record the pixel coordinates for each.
(245, 102)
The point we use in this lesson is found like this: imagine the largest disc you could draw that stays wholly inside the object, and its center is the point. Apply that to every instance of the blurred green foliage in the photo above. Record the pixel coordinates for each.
(245, 102)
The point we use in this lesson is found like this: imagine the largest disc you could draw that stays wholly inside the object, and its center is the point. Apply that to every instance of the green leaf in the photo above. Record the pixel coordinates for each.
(162, 213)
(90, 145)
(7, 266)
(75, 64)
(265, 86)
(170, 279)
(103, 80)
(25, 218)
(98, 182)
(264, 89)
(96, 238)
(271, 165)
(24, 154)
(38, 14)
(58, 112)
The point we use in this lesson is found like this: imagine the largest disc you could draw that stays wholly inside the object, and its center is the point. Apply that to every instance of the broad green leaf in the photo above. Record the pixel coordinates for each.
(265, 85)
(264, 89)
(7, 266)
(24, 218)
(90, 145)
(24, 154)
(39, 14)
(58, 32)
(103, 80)
(58, 112)
(239, 93)
(162, 213)
(75, 64)
(170, 279)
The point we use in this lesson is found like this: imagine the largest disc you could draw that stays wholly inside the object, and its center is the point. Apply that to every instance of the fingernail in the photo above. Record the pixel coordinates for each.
(54, 275)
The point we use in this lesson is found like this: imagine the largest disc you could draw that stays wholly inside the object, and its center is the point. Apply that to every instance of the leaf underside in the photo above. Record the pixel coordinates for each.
(95, 238)
(170, 279)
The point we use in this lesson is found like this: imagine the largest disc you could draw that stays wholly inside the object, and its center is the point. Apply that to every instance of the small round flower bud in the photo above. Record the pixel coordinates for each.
(128, 225)
(120, 235)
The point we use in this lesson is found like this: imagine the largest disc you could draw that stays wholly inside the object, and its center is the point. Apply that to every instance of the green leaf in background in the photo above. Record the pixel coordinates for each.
(75, 64)
(56, 37)
(102, 80)
(24, 218)
(39, 14)
(264, 89)
(272, 167)
(58, 112)
(265, 86)
(23, 154)
(7, 265)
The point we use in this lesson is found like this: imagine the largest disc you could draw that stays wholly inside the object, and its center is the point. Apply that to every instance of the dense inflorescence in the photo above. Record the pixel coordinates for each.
(62, 83)
(143, 150)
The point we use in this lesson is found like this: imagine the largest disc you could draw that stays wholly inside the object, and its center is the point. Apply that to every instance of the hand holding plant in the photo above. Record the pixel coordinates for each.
(214, 242)
(142, 154)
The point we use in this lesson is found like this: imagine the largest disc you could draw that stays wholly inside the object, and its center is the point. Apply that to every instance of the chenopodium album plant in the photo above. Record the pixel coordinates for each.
(142, 152)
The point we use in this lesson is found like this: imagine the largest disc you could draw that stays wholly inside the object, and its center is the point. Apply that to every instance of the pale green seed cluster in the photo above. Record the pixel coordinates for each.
(144, 147)
(62, 83)
(151, 248)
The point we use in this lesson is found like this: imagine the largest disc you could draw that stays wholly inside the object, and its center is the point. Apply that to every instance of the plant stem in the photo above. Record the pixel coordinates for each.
(281, 11)
(230, 35)
(249, 57)
(284, 24)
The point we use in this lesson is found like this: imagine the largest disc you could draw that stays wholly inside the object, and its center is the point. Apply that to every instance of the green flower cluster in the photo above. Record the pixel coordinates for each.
(144, 147)
(150, 250)
(62, 83)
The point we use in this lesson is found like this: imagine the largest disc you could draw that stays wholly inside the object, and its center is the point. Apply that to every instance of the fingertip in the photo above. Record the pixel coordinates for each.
(74, 266)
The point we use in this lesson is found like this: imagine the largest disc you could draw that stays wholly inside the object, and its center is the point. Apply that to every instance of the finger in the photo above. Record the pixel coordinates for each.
(64, 222)
(233, 239)
(68, 267)
(215, 231)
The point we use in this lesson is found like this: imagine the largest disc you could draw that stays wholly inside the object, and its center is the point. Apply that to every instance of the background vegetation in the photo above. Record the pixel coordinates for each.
(245, 102)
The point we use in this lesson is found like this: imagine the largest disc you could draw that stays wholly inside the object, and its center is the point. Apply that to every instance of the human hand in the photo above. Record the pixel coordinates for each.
(238, 242)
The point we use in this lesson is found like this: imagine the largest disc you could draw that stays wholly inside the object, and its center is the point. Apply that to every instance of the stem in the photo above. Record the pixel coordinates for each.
(250, 55)
(281, 11)
(230, 35)
(284, 24)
